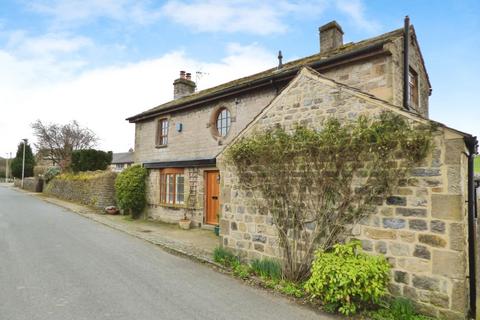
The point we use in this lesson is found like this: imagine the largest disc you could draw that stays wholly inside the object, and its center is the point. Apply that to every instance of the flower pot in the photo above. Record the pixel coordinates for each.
(111, 210)
(217, 230)
(184, 224)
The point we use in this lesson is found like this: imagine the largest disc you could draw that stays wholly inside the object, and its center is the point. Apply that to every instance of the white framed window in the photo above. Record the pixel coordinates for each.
(162, 132)
(223, 122)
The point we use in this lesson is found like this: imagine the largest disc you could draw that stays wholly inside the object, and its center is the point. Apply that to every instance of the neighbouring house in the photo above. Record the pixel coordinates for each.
(425, 230)
(122, 160)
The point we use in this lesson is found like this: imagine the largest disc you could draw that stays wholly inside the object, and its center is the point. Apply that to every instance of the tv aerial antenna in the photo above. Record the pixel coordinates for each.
(199, 75)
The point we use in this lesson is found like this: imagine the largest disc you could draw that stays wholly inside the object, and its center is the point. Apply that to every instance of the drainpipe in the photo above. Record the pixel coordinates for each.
(472, 145)
(406, 38)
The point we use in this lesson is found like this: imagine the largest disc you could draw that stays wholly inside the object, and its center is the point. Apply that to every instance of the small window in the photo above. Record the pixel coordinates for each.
(412, 88)
(223, 122)
(162, 132)
(172, 187)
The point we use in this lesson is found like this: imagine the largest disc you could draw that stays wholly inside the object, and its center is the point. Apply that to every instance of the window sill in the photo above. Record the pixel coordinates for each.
(173, 206)
(160, 146)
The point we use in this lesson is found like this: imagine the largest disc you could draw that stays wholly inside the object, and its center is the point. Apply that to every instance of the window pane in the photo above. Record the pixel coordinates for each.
(162, 188)
(170, 188)
(180, 188)
(162, 132)
(223, 122)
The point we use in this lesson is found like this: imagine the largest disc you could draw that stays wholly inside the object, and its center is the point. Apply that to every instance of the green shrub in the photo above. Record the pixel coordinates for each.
(225, 257)
(90, 160)
(241, 270)
(291, 288)
(51, 173)
(399, 309)
(347, 279)
(130, 190)
(228, 259)
(267, 268)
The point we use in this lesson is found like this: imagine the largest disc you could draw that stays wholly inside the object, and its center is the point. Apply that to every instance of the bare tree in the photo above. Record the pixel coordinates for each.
(58, 141)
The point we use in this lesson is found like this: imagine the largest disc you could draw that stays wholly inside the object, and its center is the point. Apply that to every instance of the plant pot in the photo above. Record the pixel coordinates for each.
(184, 224)
(111, 210)
(217, 230)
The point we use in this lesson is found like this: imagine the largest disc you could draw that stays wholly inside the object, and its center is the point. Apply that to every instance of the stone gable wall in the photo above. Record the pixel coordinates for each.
(396, 47)
(372, 75)
(421, 228)
(96, 189)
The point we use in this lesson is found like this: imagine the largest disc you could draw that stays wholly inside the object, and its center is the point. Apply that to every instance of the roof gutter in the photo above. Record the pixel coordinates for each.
(281, 76)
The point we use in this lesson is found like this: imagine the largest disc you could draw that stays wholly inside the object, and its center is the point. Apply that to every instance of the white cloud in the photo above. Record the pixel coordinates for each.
(70, 13)
(101, 99)
(260, 17)
(355, 11)
(78, 10)
(212, 16)
(47, 45)
(249, 16)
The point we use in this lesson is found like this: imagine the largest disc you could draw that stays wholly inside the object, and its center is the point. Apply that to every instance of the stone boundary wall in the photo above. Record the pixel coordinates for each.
(96, 189)
(421, 228)
(32, 184)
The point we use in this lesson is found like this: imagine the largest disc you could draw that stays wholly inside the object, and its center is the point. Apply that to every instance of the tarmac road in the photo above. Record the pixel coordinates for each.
(55, 264)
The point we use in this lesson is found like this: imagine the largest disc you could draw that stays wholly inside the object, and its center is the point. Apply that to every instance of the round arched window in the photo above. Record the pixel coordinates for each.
(223, 122)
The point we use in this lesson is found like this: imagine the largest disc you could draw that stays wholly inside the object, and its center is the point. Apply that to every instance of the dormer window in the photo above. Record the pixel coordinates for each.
(223, 122)
(162, 133)
(412, 88)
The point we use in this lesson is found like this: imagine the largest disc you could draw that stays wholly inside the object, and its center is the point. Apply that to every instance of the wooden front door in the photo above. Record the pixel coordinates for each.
(212, 204)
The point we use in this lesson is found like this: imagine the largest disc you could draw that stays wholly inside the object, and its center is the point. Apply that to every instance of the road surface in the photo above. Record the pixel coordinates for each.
(55, 264)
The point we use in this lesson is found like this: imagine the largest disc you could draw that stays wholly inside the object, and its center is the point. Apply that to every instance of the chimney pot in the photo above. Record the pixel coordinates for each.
(184, 85)
(331, 36)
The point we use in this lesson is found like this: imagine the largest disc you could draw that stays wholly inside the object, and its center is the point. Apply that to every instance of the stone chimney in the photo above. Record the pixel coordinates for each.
(183, 86)
(331, 36)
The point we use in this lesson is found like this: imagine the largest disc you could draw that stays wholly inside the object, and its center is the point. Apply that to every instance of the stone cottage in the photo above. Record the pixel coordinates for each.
(424, 230)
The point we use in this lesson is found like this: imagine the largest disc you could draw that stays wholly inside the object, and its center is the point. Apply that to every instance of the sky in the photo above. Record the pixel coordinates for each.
(101, 61)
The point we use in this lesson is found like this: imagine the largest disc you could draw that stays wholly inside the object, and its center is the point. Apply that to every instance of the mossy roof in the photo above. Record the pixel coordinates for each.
(286, 68)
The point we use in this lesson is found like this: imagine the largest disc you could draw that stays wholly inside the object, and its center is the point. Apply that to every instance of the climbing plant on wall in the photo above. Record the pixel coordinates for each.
(315, 183)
